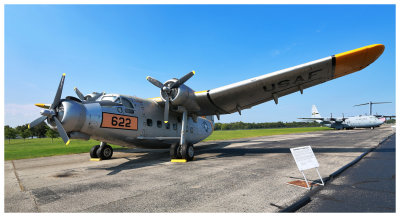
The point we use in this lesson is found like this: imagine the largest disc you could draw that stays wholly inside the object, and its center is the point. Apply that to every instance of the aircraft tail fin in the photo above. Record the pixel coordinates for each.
(314, 112)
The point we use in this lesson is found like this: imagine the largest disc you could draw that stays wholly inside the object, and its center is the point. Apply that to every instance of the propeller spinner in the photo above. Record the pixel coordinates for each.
(50, 113)
(167, 89)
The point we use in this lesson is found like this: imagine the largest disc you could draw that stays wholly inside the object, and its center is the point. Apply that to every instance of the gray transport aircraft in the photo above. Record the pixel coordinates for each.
(181, 117)
(362, 121)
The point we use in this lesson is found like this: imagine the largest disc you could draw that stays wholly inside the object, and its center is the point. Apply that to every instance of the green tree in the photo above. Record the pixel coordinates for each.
(25, 133)
(40, 130)
(51, 134)
(9, 133)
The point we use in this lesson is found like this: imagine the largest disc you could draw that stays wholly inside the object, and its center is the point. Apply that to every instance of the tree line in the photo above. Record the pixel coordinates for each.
(39, 131)
(243, 126)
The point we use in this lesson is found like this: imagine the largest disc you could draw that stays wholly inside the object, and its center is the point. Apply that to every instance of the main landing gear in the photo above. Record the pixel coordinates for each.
(185, 151)
(182, 150)
(102, 151)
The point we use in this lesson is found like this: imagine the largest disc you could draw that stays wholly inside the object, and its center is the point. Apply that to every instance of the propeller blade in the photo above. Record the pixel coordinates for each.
(183, 79)
(166, 110)
(362, 104)
(380, 102)
(79, 94)
(58, 94)
(155, 82)
(61, 131)
(41, 105)
(37, 122)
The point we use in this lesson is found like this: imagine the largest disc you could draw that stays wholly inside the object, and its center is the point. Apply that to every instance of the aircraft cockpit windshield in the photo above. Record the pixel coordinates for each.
(110, 98)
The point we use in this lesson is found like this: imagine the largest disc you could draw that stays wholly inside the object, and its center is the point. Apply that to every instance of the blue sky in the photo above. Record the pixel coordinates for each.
(113, 48)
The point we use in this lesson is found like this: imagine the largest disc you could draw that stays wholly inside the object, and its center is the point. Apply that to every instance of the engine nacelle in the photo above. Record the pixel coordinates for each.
(181, 96)
(71, 114)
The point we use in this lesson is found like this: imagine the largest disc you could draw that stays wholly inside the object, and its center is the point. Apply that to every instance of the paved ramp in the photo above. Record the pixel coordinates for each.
(246, 175)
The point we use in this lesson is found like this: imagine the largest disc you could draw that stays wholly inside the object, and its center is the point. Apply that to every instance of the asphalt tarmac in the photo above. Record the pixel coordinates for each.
(368, 186)
(246, 175)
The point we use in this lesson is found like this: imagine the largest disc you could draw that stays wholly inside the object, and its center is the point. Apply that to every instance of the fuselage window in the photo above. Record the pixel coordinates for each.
(159, 124)
(174, 126)
(167, 125)
(149, 122)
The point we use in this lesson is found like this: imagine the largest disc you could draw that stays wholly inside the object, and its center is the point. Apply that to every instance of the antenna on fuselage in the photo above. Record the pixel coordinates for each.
(370, 105)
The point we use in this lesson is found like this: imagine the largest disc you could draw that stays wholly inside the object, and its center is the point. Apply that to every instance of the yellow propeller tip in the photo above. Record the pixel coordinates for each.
(67, 142)
(41, 105)
(29, 126)
(194, 72)
(147, 77)
(166, 122)
(63, 74)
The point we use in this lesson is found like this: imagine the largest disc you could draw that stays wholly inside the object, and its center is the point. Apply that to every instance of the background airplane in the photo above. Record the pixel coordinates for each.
(136, 122)
(362, 121)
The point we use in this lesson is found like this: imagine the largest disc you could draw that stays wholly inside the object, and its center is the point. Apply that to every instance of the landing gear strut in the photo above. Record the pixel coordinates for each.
(182, 150)
(102, 151)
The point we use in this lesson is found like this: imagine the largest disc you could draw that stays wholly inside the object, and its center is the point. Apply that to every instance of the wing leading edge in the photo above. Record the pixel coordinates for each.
(245, 94)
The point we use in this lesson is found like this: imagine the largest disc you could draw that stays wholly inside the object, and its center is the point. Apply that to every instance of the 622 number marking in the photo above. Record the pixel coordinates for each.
(119, 121)
(115, 121)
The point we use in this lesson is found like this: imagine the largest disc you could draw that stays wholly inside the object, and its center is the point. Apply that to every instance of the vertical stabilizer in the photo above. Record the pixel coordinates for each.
(314, 112)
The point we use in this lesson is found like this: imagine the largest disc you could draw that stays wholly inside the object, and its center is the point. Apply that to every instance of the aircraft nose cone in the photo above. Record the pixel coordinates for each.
(355, 60)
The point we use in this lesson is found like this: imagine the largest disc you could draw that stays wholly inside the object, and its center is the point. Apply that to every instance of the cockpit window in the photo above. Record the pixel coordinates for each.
(126, 103)
(109, 98)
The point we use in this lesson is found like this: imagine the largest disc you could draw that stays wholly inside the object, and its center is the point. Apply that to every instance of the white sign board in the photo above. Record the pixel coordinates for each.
(304, 157)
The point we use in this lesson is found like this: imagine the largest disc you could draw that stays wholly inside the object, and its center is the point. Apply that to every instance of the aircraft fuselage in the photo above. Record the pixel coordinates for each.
(135, 122)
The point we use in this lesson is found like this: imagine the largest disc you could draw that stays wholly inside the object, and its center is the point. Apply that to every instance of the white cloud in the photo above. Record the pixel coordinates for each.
(20, 114)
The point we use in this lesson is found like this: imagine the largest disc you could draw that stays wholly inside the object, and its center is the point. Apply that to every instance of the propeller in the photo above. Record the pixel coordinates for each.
(50, 113)
(88, 98)
(79, 94)
(168, 89)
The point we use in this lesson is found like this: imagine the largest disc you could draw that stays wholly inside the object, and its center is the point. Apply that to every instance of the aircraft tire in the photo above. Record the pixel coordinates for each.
(93, 151)
(174, 151)
(187, 152)
(105, 152)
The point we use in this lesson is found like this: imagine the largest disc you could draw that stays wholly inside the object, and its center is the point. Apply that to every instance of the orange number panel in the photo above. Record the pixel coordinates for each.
(119, 121)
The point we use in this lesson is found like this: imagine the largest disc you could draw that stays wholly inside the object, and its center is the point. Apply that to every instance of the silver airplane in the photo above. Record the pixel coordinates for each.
(362, 121)
(181, 117)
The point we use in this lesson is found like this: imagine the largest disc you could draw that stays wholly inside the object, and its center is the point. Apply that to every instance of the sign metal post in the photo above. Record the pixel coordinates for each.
(305, 159)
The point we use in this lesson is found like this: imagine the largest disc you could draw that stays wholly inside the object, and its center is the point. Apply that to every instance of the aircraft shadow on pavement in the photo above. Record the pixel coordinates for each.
(151, 158)
(161, 156)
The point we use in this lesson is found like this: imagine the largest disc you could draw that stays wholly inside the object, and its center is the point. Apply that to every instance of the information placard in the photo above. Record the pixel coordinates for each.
(304, 157)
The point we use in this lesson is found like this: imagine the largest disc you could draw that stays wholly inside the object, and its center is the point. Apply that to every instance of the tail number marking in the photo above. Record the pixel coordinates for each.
(119, 121)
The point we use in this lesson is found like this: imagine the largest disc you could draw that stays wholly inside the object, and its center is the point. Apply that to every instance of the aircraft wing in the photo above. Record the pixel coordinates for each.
(315, 119)
(245, 94)
(326, 120)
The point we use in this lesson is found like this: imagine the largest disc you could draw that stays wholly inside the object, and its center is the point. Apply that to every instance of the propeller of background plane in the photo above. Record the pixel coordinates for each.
(168, 88)
(50, 113)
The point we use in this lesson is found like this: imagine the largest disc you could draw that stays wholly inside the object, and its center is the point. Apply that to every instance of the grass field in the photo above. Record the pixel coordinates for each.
(32, 148)
(237, 134)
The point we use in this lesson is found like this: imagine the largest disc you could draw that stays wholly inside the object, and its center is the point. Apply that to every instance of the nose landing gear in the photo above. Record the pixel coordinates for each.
(102, 151)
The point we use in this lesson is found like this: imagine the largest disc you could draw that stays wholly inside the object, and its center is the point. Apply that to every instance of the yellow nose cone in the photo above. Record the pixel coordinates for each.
(355, 60)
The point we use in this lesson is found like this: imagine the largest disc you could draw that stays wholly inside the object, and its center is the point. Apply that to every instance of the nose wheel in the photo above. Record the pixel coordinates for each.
(102, 151)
